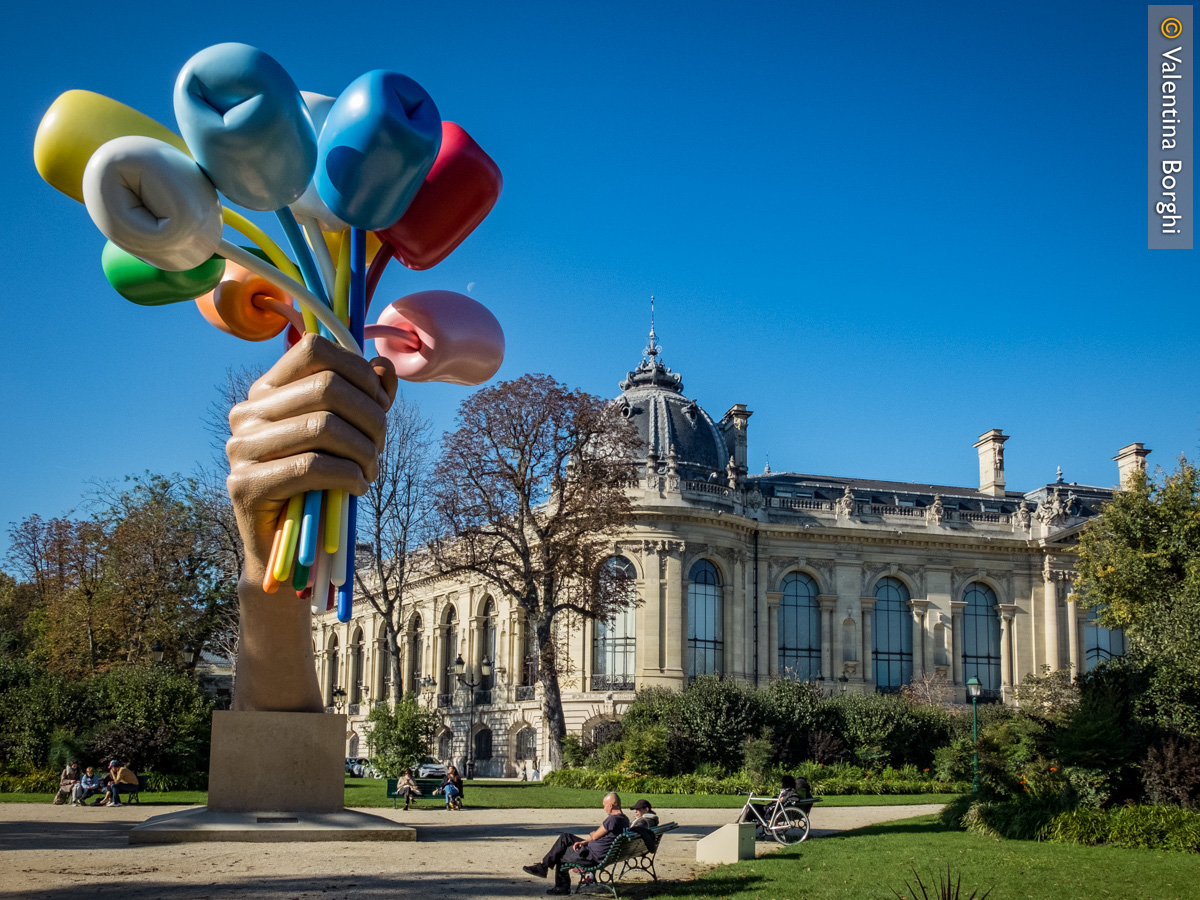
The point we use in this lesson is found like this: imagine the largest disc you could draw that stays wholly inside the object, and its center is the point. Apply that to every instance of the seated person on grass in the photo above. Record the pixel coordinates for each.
(587, 851)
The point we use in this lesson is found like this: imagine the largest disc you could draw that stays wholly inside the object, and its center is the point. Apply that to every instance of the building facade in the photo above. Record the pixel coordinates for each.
(856, 584)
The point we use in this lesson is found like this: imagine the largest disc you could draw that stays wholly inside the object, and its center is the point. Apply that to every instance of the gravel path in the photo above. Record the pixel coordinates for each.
(65, 852)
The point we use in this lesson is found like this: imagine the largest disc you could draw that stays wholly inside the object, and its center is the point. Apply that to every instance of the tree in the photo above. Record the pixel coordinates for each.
(393, 520)
(530, 495)
(399, 737)
(1139, 565)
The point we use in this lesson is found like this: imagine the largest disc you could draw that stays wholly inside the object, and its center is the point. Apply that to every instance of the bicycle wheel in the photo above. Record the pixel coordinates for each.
(789, 825)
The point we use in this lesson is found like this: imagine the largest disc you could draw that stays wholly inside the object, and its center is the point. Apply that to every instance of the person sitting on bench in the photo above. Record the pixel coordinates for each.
(124, 781)
(588, 851)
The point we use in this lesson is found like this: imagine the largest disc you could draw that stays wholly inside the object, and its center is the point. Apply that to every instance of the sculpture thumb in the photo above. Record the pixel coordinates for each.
(154, 202)
(460, 340)
(75, 125)
(246, 124)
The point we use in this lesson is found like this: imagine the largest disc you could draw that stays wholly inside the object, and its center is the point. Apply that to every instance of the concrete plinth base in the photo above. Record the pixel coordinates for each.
(727, 844)
(292, 762)
(204, 824)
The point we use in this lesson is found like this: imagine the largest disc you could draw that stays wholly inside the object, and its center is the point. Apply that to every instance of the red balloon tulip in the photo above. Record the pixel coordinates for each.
(458, 193)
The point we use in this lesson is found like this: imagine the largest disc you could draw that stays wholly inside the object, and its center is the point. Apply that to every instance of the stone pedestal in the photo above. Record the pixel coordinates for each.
(273, 777)
(727, 844)
(283, 762)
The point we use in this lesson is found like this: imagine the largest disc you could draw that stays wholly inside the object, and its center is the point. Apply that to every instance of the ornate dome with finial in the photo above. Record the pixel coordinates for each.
(668, 422)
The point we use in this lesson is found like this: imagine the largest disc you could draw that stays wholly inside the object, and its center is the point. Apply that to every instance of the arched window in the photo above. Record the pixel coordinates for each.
(415, 645)
(449, 651)
(613, 658)
(799, 629)
(1100, 643)
(527, 743)
(891, 625)
(353, 751)
(488, 637)
(705, 646)
(331, 670)
(446, 747)
(483, 745)
(356, 668)
(981, 637)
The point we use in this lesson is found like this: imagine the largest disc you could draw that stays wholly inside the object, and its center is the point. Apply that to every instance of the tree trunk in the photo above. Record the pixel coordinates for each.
(552, 708)
(391, 641)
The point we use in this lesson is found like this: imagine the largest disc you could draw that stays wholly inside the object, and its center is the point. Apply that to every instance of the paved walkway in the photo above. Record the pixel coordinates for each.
(64, 852)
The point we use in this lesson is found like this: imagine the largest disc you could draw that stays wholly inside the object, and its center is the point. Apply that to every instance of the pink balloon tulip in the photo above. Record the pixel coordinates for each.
(460, 341)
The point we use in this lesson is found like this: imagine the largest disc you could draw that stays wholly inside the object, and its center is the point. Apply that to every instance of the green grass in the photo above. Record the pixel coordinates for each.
(871, 862)
(520, 795)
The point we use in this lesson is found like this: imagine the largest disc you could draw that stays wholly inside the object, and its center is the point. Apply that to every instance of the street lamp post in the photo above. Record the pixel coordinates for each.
(339, 698)
(485, 670)
(974, 688)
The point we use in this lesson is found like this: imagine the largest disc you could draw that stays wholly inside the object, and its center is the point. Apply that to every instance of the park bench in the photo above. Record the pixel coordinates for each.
(425, 785)
(630, 850)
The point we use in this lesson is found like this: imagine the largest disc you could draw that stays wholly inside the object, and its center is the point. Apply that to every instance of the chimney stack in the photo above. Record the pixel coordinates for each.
(1130, 459)
(991, 462)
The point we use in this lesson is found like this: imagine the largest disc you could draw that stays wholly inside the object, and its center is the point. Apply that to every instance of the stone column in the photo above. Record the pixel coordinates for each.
(867, 656)
(1073, 635)
(589, 652)
(675, 633)
(409, 637)
(919, 608)
(773, 598)
(829, 643)
(763, 644)
(956, 640)
(647, 619)
(727, 630)
(382, 661)
(1006, 612)
(1050, 617)
(736, 596)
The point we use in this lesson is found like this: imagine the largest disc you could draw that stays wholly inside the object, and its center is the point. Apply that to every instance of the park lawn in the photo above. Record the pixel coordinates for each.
(521, 795)
(872, 862)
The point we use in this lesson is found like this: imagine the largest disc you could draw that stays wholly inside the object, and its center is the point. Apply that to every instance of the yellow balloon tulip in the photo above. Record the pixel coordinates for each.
(76, 124)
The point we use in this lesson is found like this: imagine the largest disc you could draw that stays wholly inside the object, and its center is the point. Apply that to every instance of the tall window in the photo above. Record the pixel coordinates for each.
(414, 653)
(705, 647)
(356, 667)
(1100, 643)
(483, 745)
(332, 675)
(981, 637)
(446, 747)
(489, 642)
(799, 629)
(449, 652)
(527, 743)
(891, 626)
(612, 662)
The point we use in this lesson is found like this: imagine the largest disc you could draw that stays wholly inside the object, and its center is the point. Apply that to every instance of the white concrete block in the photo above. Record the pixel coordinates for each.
(727, 844)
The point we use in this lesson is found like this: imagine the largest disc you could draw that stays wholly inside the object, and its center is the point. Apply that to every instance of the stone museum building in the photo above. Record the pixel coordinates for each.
(856, 584)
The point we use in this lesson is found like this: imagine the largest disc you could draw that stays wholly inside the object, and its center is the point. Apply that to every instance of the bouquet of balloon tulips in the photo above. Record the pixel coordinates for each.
(355, 180)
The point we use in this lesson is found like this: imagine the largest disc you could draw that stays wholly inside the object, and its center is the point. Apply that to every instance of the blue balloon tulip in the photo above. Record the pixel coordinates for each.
(379, 141)
(245, 122)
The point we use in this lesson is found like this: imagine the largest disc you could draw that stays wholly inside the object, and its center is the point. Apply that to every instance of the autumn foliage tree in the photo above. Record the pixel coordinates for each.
(530, 496)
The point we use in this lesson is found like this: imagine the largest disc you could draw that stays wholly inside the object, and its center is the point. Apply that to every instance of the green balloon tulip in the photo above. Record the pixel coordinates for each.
(143, 284)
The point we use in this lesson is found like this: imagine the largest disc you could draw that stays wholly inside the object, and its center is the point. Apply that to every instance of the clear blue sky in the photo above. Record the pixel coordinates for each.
(884, 227)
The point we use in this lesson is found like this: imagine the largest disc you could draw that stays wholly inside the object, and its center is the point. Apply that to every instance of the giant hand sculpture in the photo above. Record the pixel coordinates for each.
(315, 421)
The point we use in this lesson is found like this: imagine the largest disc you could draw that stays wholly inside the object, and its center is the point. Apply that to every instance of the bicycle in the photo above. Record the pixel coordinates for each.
(787, 823)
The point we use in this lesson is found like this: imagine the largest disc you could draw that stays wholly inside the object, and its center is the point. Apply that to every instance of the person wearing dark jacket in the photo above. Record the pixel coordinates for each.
(588, 851)
(452, 788)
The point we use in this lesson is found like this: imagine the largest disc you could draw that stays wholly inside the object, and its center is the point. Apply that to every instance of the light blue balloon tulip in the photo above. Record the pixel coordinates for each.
(379, 141)
(245, 122)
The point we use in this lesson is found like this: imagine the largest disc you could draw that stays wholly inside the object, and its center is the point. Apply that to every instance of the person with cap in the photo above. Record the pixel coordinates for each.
(644, 815)
(123, 781)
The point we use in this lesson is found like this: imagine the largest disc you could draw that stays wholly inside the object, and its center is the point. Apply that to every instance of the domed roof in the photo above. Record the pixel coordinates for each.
(667, 421)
